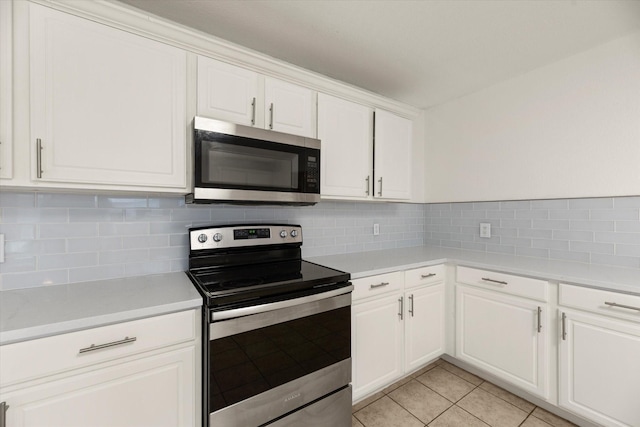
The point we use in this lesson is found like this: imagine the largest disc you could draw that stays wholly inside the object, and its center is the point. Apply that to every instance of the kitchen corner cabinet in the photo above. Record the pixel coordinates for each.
(392, 158)
(599, 375)
(397, 326)
(501, 332)
(235, 94)
(65, 381)
(360, 159)
(107, 106)
(346, 131)
(6, 91)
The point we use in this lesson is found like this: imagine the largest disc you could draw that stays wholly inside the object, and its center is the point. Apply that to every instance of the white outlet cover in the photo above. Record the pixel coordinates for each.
(376, 229)
(485, 229)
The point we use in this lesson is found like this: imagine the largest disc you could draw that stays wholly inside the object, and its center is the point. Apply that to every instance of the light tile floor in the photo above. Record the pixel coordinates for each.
(443, 395)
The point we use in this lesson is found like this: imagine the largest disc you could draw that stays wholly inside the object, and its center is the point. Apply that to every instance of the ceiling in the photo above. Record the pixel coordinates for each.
(422, 53)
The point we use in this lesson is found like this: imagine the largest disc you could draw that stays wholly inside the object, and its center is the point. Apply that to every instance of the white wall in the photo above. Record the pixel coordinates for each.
(569, 129)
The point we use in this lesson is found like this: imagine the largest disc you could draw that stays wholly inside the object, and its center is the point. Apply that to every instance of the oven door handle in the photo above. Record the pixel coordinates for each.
(246, 311)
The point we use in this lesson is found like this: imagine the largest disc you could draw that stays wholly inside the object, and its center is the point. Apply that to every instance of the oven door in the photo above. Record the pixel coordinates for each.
(238, 163)
(273, 362)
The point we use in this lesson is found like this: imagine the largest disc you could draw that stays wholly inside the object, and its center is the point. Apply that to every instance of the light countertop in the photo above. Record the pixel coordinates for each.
(38, 312)
(365, 264)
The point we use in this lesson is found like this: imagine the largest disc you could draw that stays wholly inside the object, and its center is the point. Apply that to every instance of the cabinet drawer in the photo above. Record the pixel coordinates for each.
(377, 285)
(609, 303)
(32, 359)
(424, 276)
(515, 285)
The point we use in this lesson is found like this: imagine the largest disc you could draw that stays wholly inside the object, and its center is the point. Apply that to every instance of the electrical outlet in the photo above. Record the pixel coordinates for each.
(485, 229)
(376, 229)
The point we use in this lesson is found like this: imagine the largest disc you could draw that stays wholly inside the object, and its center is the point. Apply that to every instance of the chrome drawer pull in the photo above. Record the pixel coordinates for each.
(401, 301)
(564, 326)
(411, 309)
(539, 319)
(426, 276)
(368, 184)
(499, 282)
(3, 414)
(94, 347)
(379, 285)
(613, 304)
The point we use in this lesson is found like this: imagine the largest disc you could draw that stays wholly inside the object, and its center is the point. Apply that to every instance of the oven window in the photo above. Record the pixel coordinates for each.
(247, 364)
(245, 166)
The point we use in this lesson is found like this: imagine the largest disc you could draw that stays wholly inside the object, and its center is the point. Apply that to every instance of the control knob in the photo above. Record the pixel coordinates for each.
(294, 233)
(283, 233)
(217, 237)
(202, 238)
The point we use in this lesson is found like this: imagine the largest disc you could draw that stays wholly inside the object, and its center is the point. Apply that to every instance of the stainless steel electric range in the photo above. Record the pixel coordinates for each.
(278, 329)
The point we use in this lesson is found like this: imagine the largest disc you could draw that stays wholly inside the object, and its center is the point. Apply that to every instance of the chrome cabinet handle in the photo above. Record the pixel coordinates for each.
(253, 111)
(368, 184)
(411, 306)
(271, 116)
(499, 282)
(539, 319)
(426, 276)
(94, 347)
(379, 285)
(3, 413)
(564, 326)
(380, 190)
(614, 304)
(39, 158)
(401, 301)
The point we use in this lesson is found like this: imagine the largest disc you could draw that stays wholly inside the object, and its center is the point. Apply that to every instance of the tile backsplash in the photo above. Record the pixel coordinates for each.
(595, 231)
(54, 238)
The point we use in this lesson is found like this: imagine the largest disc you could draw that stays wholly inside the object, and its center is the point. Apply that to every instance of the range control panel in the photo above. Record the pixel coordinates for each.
(244, 235)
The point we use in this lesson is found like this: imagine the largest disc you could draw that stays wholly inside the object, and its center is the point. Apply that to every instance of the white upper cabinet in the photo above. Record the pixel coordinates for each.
(6, 105)
(107, 106)
(235, 94)
(392, 157)
(227, 92)
(345, 130)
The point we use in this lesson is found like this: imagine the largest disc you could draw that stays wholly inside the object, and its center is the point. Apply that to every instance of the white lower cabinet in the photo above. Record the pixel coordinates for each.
(100, 377)
(377, 337)
(504, 335)
(397, 326)
(599, 356)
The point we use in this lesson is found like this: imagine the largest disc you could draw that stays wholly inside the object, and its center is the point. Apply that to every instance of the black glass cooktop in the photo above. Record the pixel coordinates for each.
(242, 285)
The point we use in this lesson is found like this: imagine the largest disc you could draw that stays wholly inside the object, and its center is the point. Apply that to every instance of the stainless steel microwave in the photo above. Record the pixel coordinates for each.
(241, 164)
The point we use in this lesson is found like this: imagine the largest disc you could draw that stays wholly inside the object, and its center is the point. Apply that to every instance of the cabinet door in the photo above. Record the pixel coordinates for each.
(392, 158)
(6, 104)
(346, 131)
(504, 335)
(228, 93)
(107, 106)
(289, 108)
(599, 372)
(153, 391)
(376, 330)
(424, 326)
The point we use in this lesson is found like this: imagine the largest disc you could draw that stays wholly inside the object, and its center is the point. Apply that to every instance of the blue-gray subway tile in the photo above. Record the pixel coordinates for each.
(60, 261)
(551, 224)
(532, 214)
(532, 252)
(57, 200)
(190, 215)
(505, 214)
(615, 214)
(595, 203)
(147, 267)
(516, 241)
(615, 260)
(35, 247)
(179, 264)
(474, 246)
(610, 237)
(536, 234)
(101, 272)
(124, 228)
(18, 264)
(515, 223)
(79, 229)
(515, 205)
(626, 202)
(96, 215)
(35, 215)
(178, 240)
(501, 249)
(34, 279)
(172, 252)
(123, 256)
(474, 214)
(592, 225)
(550, 204)
(569, 214)
(583, 236)
(569, 256)
(148, 215)
(592, 247)
(561, 245)
(165, 202)
(121, 202)
(485, 206)
(10, 199)
(627, 226)
(150, 241)
(169, 227)
(628, 250)
(504, 232)
(461, 237)
(450, 244)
